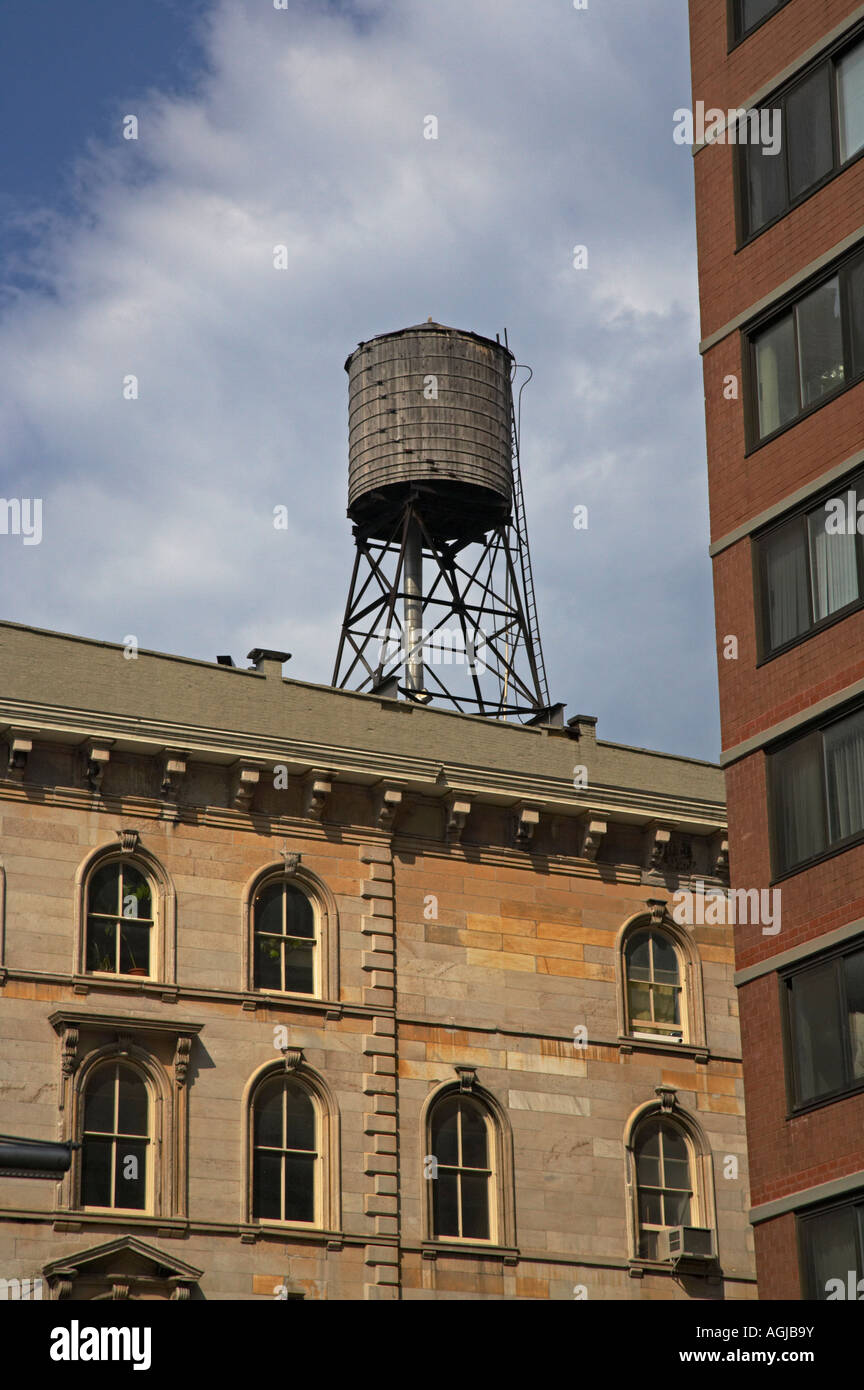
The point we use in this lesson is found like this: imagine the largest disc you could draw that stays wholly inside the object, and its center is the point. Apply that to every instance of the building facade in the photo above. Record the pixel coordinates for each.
(780, 221)
(344, 997)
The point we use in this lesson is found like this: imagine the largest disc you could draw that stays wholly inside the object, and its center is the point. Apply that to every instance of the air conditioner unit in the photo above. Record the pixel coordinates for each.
(685, 1243)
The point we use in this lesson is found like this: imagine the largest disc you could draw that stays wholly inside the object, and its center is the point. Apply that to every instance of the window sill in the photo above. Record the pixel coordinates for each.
(627, 1043)
(475, 1249)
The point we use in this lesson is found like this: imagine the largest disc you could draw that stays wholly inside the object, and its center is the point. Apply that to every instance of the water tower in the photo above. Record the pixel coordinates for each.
(441, 602)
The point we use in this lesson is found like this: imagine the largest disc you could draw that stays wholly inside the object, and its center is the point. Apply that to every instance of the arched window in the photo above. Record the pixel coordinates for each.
(285, 1152)
(462, 1143)
(115, 1167)
(665, 1181)
(120, 915)
(285, 939)
(653, 985)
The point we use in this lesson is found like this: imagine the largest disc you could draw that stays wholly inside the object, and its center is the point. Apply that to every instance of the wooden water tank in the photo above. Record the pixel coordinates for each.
(452, 449)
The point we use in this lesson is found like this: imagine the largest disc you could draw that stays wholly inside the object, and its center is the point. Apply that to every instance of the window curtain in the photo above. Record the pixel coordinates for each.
(844, 766)
(850, 101)
(786, 585)
(817, 1033)
(775, 371)
(834, 566)
(797, 795)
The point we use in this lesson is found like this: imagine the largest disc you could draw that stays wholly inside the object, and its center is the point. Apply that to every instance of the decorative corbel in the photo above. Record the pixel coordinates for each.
(181, 1059)
(97, 756)
(291, 859)
(657, 907)
(668, 1096)
(244, 780)
(69, 1058)
(119, 1290)
(316, 789)
(458, 809)
(592, 833)
(719, 850)
(467, 1078)
(173, 772)
(387, 801)
(20, 748)
(526, 821)
(129, 839)
(293, 1057)
(657, 840)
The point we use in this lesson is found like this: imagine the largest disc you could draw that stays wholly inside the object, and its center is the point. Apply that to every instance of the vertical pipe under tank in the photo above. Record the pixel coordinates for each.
(413, 613)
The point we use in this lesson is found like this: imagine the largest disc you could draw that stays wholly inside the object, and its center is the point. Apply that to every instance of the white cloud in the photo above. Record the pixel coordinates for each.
(306, 131)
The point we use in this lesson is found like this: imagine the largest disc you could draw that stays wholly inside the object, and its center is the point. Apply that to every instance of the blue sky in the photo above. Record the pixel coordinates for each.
(304, 127)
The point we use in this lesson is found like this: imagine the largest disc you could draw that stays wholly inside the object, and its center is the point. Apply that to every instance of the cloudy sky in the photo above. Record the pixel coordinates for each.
(304, 127)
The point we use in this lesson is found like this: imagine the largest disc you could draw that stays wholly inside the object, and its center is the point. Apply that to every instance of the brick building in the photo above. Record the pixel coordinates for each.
(780, 222)
(348, 998)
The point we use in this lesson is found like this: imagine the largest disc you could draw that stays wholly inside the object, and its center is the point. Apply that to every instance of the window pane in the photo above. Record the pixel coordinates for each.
(300, 1119)
(101, 944)
(647, 1150)
(134, 947)
(676, 1209)
(266, 1200)
(844, 771)
(674, 1147)
(640, 1000)
(268, 909)
(650, 1208)
(444, 1132)
(105, 890)
(807, 131)
(665, 1004)
(131, 1103)
(130, 1177)
(475, 1206)
(832, 1246)
(639, 957)
(754, 10)
(268, 1117)
(850, 101)
(854, 972)
(99, 1102)
(775, 374)
(96, 1173)
(445, 1198)
(855, 288)
(820, 342)
(136, 894)
(816, 1033)
(833, 565)
(474, 1146)
(268, 963)
(665, 959)
(299, 1188)
(299, 968)
(784, 568)
(796, 779)
(766, 184)
(299, 915)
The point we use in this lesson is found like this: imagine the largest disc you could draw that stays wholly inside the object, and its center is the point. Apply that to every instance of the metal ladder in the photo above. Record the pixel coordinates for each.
(525, 557)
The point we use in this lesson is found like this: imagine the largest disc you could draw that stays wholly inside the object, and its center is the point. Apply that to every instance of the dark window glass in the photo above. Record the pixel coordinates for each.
(820, 342)
(766, 184)
(853, 970)
(833, 565)
(806, 131)
(843, 750)
(799, 818)
(663, 1181)
(817, 1037)
(284, 1129)
(459, 1135)
(832, 1247)
(119, 920)
(653, 984)
(114, 1142)
(855, 291)
(752, 11)
(284, 953)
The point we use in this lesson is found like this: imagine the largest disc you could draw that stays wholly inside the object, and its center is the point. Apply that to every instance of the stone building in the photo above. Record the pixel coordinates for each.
(348, 998)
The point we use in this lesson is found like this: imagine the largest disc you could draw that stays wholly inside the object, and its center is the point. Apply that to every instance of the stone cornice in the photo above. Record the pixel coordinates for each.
(425, 776)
